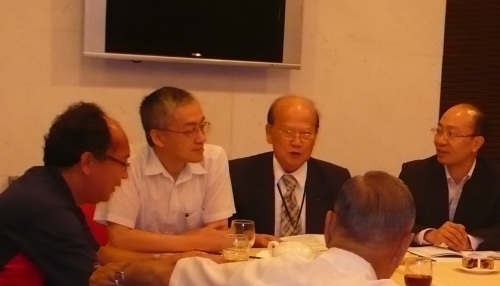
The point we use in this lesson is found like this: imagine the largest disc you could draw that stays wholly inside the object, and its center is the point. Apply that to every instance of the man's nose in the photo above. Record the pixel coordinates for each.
(296, 140)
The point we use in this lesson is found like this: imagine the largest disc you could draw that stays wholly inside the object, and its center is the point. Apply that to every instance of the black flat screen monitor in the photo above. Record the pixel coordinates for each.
(238, 32)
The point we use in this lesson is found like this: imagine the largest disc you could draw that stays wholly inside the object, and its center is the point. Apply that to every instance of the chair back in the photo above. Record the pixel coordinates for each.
(20, 271)
(99, 231)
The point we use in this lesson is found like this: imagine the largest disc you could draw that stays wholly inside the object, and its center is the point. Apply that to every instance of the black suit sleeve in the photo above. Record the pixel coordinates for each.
(346, 175)
(407, 178)
(490, 234)
(491, 237)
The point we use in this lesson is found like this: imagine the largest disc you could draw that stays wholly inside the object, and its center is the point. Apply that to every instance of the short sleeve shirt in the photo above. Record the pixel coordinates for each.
(151, 200)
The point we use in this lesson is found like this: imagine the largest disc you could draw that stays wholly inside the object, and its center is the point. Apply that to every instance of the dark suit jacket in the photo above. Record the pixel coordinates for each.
(478, 208)
(252, 179)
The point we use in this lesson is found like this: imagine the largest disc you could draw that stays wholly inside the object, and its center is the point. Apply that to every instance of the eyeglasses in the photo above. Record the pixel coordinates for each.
(124, 164)
(290, 135)
(450, 135)
(203, 128)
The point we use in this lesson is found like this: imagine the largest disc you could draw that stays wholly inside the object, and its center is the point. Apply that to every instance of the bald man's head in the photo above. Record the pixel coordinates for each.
(374, 209)
(284, 103)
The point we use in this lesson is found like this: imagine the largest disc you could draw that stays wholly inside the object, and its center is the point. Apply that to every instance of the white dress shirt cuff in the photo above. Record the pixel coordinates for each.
(419, 238)
(475, 241)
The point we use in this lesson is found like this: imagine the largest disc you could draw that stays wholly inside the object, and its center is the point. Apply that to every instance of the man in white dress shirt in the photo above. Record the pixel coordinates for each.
(178, 195)
(367, 234)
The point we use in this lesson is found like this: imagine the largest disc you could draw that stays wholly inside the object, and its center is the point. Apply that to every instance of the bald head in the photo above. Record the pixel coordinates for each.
(468, 114)
(118, 137)
(374, 209)
(289, 104)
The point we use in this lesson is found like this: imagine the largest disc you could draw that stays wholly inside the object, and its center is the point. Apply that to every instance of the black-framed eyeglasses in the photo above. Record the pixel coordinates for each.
(449, 135)
(203, 128)
(290, 135)
(124, 164)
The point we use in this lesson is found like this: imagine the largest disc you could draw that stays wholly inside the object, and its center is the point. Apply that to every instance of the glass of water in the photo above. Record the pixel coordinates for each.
(246, 227)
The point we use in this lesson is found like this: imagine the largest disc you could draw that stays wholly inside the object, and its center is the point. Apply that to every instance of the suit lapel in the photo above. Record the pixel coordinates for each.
(439, 194)
(313, 199)
(266, 197)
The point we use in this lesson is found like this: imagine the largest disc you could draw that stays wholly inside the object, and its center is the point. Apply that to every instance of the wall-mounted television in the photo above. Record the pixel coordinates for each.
(266, 33)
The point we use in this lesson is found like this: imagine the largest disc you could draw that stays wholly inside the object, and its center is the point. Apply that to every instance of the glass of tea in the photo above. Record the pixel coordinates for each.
(418, 271)
(235, 247)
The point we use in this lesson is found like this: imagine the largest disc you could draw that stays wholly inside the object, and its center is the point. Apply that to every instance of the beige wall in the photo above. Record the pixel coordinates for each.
(373, 67)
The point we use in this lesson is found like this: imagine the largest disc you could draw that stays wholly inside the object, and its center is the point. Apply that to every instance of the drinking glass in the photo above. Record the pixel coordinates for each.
(246, 227)
(418, 271)
(235, 247)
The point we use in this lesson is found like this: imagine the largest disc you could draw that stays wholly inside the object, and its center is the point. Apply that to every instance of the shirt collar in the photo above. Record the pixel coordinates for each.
(300, 174)
(349, 262)
(469, 174)
(154, 166)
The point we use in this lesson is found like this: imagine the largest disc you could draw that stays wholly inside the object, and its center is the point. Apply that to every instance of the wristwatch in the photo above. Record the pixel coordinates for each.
(120, 274)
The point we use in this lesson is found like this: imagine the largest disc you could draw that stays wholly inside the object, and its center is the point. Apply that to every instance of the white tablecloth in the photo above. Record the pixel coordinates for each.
(446, 272)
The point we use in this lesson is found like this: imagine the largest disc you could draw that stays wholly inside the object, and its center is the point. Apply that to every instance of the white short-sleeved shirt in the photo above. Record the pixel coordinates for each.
(335, 267)
(150, 200)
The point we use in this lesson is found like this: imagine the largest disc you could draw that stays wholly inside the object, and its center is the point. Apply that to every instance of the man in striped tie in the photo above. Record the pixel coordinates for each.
(286, 191)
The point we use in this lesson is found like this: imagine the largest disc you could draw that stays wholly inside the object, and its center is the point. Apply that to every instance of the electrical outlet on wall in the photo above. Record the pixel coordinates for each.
(6, 181)
(11, 179)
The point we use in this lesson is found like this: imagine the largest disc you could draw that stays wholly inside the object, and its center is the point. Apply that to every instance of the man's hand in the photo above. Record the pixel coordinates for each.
(451, 234)
(210, 237)
(105, 275)
(262, 240)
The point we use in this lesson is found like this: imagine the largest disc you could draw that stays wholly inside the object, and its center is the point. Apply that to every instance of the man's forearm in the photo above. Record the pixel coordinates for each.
(108, 254)
(151, 273)
(142, 241)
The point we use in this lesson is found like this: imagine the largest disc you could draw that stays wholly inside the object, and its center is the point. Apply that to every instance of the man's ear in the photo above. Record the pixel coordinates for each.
(330, 223)
(478, 142)
(401, 250)
(156, 137)
(86, 161)
(268, 134)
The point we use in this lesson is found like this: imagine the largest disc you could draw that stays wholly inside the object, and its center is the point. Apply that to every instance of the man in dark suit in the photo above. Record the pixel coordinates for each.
(286, 192)
(456, 193)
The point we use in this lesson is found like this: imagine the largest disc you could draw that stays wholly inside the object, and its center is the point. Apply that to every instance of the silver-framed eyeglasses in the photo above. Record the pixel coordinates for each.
(291, 134)
(203, 128)
(449, 135)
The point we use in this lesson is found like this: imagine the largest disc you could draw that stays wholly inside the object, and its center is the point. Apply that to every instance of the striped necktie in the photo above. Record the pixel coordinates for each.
(290, 212)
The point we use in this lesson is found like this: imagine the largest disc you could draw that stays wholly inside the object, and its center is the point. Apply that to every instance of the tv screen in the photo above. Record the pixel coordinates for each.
(237, 32)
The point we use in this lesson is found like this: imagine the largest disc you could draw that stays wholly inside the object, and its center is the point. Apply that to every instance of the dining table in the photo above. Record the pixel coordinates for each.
(446, 272)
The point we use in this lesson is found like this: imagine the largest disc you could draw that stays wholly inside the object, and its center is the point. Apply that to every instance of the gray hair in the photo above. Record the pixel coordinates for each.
(157, 108)
(374, 208)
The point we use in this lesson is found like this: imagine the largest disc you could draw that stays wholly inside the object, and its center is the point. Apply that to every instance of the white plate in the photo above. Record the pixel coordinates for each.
(478, 270)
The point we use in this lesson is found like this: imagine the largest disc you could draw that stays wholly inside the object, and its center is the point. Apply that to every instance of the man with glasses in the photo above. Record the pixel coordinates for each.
(178, 195)
(85, 157)
(286, 192)
(367, 233)
(456, 192)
